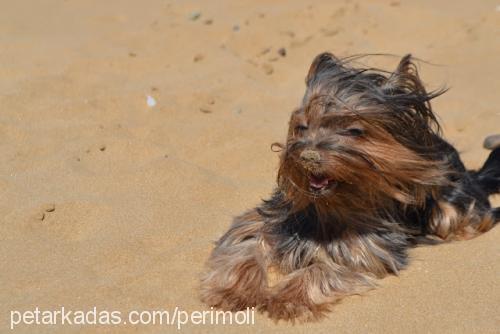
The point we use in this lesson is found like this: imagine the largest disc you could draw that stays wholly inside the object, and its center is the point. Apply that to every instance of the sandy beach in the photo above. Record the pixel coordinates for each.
(110, 201)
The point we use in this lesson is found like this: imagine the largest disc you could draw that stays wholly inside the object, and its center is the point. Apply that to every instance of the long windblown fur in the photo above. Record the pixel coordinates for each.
(364, 175)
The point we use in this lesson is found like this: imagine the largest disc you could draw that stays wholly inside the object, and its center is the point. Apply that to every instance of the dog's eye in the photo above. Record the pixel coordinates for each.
(300, 128)
(353, 132)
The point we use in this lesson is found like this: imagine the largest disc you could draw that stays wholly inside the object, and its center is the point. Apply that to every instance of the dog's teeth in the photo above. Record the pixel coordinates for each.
(318, 183)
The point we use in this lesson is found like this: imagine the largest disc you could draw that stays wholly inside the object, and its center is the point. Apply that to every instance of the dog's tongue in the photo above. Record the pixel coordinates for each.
(318, 182)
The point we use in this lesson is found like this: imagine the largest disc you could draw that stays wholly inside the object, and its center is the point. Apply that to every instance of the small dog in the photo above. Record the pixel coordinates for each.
(364, 175)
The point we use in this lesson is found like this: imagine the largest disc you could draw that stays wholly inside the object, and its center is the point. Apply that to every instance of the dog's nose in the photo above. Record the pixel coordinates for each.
(310, 156)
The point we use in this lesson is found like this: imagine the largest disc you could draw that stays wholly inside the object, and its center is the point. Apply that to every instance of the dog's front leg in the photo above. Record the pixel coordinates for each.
(236, 275)
(307, 293)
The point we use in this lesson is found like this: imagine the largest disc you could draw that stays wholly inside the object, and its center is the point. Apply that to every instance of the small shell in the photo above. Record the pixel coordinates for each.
(151, 102)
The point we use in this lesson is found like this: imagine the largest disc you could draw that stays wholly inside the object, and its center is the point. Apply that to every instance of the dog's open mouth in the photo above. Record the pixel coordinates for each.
(318, 183)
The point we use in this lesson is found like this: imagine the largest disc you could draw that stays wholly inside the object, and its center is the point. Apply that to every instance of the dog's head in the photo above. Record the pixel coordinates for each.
(362, 138)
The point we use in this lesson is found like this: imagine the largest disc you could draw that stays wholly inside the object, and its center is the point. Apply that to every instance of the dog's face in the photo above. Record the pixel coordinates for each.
(360, 138)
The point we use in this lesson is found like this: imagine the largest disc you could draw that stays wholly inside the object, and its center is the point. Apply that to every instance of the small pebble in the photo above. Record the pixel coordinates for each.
(236, 27)
(132, 54)
(102, 148)
(40, 216)
(211, 101)
(195, 16)
(492, 142)
(198, 57)
(208, 22)
(282, 52)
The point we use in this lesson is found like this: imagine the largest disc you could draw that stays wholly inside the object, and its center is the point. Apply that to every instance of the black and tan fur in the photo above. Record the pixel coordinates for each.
(364, 175)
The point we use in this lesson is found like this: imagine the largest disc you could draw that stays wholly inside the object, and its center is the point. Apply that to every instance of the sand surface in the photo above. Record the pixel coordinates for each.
(140, 193)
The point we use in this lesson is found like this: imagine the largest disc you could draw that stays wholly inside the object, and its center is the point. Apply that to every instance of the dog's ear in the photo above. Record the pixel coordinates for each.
(323, 63)
(406, 88)
(406, 65)
(405, 72)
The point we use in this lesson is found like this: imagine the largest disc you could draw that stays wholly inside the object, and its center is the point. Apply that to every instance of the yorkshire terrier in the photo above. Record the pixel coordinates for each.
(364, 175)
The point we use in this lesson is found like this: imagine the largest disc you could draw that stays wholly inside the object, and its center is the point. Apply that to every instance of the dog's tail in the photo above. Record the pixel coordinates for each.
(488, 177)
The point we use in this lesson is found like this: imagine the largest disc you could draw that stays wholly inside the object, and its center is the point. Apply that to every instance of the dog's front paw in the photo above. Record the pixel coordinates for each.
(237, 284)
(228, 299)
(293, 308)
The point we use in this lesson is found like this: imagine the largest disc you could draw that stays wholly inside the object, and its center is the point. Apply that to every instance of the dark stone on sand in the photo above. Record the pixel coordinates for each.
(492, 142)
